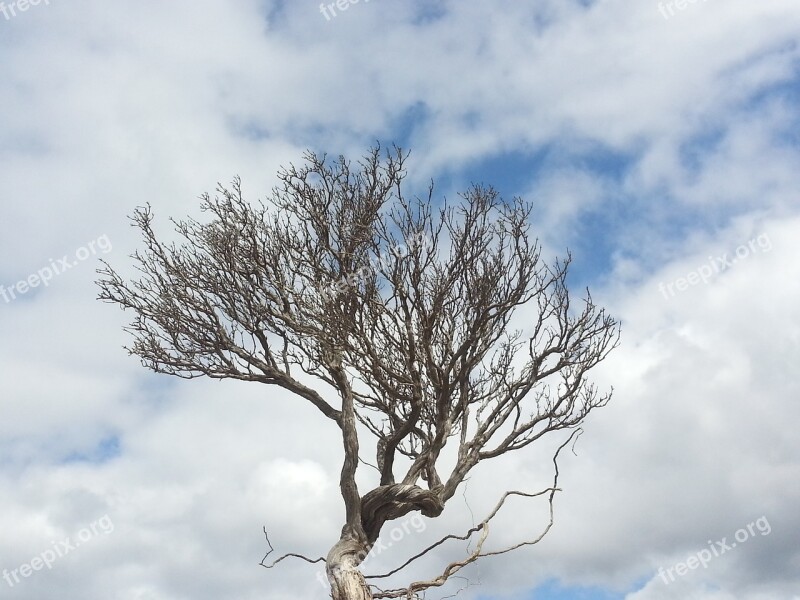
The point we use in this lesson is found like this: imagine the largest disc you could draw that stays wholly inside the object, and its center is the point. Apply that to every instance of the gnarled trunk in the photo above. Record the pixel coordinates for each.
(384, 503)
(347, 582)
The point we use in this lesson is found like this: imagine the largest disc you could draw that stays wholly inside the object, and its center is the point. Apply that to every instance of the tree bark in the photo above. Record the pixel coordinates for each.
(347, 582)
(384, 503)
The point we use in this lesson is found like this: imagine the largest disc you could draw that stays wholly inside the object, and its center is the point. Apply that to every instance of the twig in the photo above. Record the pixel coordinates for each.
(292, 554)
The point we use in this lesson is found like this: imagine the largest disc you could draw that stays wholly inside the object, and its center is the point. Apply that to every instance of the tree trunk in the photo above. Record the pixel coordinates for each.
(384, 503)
(347, 582)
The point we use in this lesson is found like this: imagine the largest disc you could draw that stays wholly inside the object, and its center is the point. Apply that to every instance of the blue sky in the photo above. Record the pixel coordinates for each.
(655, 142)
(553, 591)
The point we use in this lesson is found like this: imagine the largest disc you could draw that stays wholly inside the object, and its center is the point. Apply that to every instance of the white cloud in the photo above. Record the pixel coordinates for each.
(108, 108)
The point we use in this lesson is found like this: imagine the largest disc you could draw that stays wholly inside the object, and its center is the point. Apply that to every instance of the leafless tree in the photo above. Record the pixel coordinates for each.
(400, 312)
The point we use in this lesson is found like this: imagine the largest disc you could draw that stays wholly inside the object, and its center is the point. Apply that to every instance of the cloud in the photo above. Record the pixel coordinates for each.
(647, 144)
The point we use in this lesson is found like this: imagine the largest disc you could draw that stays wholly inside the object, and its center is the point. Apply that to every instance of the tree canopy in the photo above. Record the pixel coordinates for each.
(400, 310)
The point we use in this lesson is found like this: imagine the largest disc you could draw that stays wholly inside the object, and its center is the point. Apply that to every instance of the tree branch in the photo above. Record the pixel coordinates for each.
(482, 527)
(285, 556)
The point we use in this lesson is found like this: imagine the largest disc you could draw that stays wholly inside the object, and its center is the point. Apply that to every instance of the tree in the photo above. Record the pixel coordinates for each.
(400, 312)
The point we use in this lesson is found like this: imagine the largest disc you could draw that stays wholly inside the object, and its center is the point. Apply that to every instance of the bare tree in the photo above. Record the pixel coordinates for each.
(401, 312)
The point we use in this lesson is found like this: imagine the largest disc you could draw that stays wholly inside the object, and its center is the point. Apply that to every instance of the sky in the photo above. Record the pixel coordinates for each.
(658, 143)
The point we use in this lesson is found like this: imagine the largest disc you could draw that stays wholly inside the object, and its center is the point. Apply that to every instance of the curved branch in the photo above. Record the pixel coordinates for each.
(483, 527)
(388, 502)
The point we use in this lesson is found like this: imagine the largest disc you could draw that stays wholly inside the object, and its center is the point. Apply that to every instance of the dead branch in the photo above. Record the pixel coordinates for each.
(285, 556)
(412, 590)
